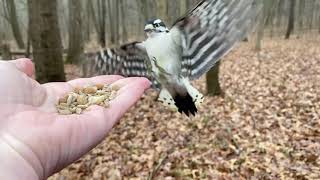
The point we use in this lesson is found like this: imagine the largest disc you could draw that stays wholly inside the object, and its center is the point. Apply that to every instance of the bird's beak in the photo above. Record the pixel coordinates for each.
(148, 28)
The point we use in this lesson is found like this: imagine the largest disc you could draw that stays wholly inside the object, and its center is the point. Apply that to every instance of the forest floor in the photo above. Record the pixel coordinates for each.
(266, 126)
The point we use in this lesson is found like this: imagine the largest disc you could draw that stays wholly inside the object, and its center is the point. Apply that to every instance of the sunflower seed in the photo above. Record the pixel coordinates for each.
(81, 98)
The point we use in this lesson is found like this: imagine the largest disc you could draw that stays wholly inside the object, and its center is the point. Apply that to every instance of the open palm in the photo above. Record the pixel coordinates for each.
(39, 140)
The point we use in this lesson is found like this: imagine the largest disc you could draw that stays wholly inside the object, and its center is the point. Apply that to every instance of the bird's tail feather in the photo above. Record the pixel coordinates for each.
(167, 100)
(184, 103)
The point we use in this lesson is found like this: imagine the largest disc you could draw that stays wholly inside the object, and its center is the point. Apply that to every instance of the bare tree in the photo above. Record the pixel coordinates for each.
(102, 13)
(212, 80)
(291, 19)
(280, 11)
(86, 22)
(311, 13)
(28, 49)
(318, 18)
(99, 15)
(301, 14)
(272, 17)
(173, 9)
(46, 40)
(75, 49)
(123, 24)
(11, 16)
(162, 9)
(113, 9)
(183, 7)
(5, 51)
(263, 19)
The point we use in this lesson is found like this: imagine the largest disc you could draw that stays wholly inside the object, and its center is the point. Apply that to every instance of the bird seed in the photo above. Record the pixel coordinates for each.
(80, 99)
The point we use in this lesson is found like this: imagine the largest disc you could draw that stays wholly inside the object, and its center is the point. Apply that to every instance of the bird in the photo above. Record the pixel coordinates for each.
(171, 58)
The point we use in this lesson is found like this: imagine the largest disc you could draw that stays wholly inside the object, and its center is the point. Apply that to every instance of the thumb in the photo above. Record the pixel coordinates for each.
(25, 65)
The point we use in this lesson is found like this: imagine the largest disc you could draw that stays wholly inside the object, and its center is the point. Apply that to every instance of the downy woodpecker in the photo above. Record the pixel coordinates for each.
(172, 58)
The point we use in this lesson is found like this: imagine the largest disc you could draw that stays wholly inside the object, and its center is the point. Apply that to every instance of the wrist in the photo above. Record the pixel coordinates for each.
(13, 165)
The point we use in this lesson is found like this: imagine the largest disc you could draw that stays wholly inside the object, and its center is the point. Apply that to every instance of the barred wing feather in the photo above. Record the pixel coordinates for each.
(129, 60)
(210, 30)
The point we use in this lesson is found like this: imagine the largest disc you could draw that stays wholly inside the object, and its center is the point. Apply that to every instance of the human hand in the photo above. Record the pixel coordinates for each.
(35, 141)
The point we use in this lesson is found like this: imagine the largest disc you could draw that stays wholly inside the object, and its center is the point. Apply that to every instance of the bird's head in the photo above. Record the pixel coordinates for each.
(155, 26)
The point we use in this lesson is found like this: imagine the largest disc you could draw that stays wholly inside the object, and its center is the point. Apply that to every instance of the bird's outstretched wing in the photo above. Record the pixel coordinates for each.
(129, 60)
(210, 30)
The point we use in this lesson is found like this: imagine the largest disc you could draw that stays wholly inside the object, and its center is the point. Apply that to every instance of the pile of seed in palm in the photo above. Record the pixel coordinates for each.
(80, 99)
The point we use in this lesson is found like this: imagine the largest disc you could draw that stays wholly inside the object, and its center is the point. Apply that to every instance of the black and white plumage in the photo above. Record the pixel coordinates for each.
(210, 30)
(127, 60)
(171, 58)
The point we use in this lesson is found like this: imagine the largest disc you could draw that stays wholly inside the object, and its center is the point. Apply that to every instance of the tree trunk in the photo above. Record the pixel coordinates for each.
(116, 26)
(6, 54)
(311, 14)
(279, 13)
(99, 21)
(122, 20)
(162, 10)
(148, 10)
(319, 19)
(261, 27)
(46, 40)
(12, 14)
(301, 14)
(102, 22)
(173, 11)
(272, 14)
(86, 22)
(291, 19)
(93, 16)
(75, 49)
(213, 85)
(183, 7)
(28, 50)
(112, 22)
(143, 15)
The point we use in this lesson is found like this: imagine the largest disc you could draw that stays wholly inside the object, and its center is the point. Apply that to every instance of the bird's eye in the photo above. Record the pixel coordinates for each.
(157, 25)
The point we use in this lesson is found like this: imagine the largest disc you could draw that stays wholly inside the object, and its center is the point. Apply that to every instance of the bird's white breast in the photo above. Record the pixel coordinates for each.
(163, 50)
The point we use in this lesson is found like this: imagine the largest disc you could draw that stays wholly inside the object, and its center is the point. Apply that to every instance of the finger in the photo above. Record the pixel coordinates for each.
(57, 89)
(128, 95)
(131, 91)
(106, 79)
(126, 81)
(25, 65)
